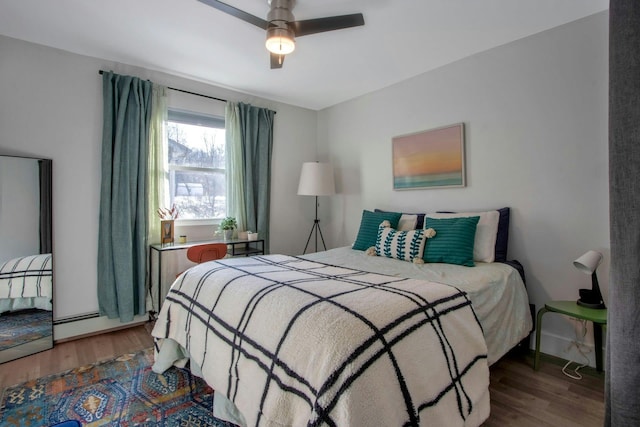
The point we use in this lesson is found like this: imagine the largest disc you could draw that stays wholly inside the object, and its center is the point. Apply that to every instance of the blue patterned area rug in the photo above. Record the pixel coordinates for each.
(118, 392)
(25, 326)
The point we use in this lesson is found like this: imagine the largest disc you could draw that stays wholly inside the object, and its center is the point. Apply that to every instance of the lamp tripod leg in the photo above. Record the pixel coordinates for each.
(316, 227)
(309, 238)
(321, 236)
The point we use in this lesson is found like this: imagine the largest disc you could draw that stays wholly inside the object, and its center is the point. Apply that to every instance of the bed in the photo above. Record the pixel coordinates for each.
(26, 282)
(347, 336)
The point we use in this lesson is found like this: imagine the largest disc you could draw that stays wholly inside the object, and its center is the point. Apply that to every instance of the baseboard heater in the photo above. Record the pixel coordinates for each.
(70, 319)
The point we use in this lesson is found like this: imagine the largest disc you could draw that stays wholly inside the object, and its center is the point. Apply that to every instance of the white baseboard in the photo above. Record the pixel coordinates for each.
(556, 345)
(90, 324)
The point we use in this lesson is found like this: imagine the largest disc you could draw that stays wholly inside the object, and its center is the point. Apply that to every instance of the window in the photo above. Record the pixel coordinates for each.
(196, 164)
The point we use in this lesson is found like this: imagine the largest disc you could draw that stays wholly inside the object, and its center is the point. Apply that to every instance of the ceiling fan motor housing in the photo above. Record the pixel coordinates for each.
(280, 14)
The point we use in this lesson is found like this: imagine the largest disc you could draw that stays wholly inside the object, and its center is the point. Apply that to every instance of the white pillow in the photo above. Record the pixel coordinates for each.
(484, 247)
(407, 222)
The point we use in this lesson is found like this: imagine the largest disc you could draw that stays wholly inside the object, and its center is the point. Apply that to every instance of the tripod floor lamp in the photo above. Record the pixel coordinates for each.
(316, 179)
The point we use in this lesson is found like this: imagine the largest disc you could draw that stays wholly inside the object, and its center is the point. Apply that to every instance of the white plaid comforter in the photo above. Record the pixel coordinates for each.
(293, 342)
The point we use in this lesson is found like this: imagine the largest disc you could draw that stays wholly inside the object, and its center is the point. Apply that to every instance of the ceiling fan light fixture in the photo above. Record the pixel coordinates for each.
(280, 41)
(282, 28)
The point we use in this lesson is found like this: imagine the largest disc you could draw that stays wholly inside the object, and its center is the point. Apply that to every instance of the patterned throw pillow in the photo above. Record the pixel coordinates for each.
(454, 241)
(502, 237)
(402, 245)
(484, 246)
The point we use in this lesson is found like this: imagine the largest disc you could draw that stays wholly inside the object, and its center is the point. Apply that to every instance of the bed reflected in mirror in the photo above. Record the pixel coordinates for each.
(26, 264)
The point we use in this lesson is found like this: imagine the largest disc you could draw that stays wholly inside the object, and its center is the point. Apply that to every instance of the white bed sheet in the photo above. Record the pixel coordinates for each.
(15, 304)
(496, 291)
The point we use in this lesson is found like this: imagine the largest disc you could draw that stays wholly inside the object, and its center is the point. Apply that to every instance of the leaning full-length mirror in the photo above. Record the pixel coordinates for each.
(26, 265)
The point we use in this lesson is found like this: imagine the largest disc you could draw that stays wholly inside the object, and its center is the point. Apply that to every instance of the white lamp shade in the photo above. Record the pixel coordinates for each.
(588, 262)
(316, 179)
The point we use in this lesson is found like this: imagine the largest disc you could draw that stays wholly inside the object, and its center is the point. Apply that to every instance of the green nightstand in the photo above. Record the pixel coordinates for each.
(572, 309)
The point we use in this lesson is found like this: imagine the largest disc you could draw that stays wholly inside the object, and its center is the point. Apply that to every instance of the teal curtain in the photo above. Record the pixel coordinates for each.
(256, 130)
(122, 243)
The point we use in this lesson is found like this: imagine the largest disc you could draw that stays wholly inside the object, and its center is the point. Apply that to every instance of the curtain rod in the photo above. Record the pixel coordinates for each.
(186, 91)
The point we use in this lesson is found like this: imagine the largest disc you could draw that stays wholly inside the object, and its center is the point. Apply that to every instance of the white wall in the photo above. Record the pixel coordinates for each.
(51, 106)
(535, 115)
(19, 208)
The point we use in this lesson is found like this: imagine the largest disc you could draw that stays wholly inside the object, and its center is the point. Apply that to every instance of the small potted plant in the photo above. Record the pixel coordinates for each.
(228, 225)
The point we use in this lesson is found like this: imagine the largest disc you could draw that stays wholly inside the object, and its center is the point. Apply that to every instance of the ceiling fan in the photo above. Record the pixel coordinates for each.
(282, 28)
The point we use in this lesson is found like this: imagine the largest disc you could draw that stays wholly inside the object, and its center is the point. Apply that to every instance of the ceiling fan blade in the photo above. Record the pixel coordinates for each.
(240, 14)
(320, 25)
(276, 60)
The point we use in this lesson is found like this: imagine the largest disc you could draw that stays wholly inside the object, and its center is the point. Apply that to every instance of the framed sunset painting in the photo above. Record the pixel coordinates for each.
(429, 159)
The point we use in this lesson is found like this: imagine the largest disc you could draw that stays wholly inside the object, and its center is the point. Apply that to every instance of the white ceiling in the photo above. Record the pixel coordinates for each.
(400, 39)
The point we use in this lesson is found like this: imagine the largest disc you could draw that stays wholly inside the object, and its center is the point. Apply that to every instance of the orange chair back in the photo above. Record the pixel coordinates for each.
(206, 252)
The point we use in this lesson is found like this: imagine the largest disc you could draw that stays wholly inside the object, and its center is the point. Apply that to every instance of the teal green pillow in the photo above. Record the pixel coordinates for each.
(368, 233)
(453, 242)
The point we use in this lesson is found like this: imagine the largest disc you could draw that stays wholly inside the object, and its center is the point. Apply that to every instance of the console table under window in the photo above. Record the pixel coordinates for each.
(168, 260)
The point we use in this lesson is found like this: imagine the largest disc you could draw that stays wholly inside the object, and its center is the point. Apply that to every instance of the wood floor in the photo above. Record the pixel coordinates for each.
(523, 397)
(520, 396)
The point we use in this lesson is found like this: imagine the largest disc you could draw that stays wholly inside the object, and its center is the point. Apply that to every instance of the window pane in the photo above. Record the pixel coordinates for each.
(198, 194)
(196, 169)
(199, 146)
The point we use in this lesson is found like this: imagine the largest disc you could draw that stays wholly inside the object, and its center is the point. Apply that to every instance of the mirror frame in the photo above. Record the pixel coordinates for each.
(45, 180)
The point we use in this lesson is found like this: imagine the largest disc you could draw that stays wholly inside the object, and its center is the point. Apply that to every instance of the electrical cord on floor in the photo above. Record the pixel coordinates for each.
(582, 349)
